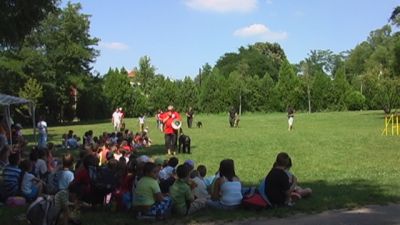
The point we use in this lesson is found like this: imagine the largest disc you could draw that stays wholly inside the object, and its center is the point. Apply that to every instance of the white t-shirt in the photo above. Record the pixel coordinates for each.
(116, 117)
(200, 191)
(26, 185)
(141, 120)
(42, 126)
(40, 167)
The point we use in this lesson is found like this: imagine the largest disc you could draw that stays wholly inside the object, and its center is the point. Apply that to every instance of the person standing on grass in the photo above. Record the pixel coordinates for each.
(121, 115)
(158, 120)
(116, 120)
(42, 129)
(171, 134)
(141, 122)
(232, 116)
(290, 118)
(190, 115)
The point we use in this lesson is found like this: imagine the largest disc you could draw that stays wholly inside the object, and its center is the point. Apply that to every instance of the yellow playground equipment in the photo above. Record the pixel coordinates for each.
(391, 121)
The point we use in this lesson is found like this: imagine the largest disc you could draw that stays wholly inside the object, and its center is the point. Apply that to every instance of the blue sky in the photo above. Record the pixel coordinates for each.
(182, 35)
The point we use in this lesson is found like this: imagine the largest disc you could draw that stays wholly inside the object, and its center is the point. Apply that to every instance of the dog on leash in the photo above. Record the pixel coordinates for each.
(199, 124)
(184, 143)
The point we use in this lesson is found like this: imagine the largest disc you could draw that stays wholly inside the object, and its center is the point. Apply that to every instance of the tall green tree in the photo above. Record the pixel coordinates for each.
(213, 93)
(288, 87)
(145, 74)
(19, 17)
(32, 90)
(65, 49)
(340, 89)
(188, 94)
(119, 91)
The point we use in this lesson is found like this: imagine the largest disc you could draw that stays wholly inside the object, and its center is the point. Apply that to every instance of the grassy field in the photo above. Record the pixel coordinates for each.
(342, 156)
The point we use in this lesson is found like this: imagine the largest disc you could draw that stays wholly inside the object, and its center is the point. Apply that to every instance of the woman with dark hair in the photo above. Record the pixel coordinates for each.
(226, 193)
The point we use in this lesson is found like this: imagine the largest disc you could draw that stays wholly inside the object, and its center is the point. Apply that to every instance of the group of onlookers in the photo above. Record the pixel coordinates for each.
(110, 172)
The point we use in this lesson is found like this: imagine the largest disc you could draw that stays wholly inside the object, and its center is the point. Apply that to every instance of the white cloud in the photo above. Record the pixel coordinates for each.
(260, 31)
(223, 5)
(114, 46)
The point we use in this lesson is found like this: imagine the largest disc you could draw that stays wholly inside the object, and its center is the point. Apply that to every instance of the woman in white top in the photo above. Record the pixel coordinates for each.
(226, 191)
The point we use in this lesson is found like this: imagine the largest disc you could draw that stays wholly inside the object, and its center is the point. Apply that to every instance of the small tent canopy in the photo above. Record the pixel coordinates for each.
(7, 100)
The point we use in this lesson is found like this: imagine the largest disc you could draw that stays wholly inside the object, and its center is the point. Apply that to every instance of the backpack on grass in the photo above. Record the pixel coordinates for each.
(254, 201)
(52, 182)
(42, 211)
(102, 179)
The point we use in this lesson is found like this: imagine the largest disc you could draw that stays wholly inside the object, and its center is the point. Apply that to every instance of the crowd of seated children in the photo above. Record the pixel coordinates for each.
(153, 188)
(70, 140)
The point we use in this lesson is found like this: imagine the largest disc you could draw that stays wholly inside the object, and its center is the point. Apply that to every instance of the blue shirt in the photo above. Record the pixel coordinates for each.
(11, 180)
(65, 178)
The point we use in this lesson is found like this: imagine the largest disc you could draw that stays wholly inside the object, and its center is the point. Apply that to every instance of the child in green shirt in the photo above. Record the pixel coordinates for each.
(183, 199)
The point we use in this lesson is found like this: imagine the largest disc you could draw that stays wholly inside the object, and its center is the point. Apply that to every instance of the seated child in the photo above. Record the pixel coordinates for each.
(72, 141)
(66, 175)
(31, 186)
(11, 177)
(277, 186)
(298, 192)
(145, 137)
(226, 193)
(183, 201)
(148, 199)
(200, 191)
(166, 175)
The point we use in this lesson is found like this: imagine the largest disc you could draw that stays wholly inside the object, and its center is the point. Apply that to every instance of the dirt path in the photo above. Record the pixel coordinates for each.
(368, 215)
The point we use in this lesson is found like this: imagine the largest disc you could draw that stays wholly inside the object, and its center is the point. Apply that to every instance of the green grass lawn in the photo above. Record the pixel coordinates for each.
(342, 156)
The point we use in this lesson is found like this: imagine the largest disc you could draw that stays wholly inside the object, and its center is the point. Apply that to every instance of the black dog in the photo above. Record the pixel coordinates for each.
(184, 143)
(199, 124)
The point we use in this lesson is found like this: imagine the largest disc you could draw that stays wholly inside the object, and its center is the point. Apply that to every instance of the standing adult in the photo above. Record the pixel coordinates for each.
(290, 118)
(190, 115)
(141, 122)
(122, 115)
(158, 120)
(232, 116)
(116, 120)
(170, 134)
(42, 129)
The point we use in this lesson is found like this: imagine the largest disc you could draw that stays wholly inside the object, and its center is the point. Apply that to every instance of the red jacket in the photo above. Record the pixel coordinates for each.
(167, 119)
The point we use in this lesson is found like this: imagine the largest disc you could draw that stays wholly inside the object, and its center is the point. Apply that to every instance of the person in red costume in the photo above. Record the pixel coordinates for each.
(170, 133)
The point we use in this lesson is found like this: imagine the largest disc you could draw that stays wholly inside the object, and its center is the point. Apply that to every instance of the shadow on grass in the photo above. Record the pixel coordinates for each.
(83, 122)
(31, 139)
(345, 194)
